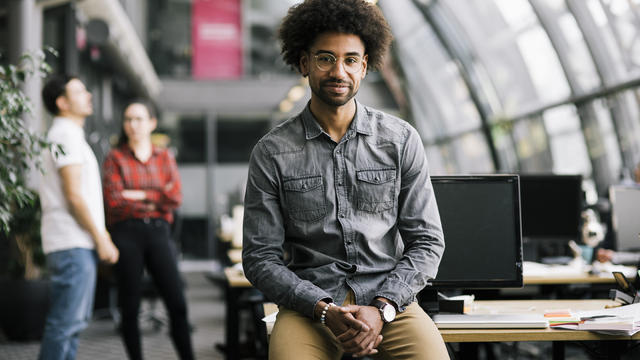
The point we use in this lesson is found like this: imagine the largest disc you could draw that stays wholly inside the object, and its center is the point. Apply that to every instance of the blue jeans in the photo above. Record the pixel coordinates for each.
(73, 281)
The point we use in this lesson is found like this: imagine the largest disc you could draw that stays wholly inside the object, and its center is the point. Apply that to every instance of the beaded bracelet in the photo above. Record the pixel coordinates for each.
(323, 316)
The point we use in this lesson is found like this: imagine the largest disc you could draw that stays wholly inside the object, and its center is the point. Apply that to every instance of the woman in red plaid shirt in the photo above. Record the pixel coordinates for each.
(141, 190)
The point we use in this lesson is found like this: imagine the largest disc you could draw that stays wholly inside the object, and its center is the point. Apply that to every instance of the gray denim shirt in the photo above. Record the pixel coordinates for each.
(321, 217)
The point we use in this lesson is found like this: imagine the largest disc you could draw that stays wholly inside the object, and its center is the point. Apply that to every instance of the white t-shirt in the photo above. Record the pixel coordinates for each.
(60, 230)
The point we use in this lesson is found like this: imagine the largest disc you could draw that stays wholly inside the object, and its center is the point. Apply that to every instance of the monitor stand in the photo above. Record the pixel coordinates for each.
(433, 302)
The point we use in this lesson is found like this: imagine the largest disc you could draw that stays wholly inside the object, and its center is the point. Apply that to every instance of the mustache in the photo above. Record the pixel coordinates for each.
(331, 81)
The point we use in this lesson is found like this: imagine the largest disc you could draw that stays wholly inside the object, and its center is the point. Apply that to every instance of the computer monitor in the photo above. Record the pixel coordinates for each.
(551, 206)
(625, 206)
(480, 218)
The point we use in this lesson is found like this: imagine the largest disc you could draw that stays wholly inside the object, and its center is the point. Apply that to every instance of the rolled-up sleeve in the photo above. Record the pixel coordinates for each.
(419, 226)
(263, 240)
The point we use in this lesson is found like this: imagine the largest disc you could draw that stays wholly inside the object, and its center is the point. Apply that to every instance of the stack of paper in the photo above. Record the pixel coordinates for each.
(612, 325)
(623, 320)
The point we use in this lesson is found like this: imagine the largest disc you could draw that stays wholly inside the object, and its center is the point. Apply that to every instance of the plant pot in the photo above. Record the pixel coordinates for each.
(23, 308)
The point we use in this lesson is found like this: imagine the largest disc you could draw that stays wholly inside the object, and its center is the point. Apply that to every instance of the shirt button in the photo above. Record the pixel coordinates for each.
(341, 215)
(348, 242)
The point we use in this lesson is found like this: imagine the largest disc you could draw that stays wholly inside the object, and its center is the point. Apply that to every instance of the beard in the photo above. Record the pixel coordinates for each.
(330, 98)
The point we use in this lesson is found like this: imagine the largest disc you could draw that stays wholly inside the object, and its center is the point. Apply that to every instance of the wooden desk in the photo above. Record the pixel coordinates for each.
(559, 280)
(521, 306)
(236, 278)
(240, 295)
(531, 307)
(235, 255)
(557, 336)
(564, 274)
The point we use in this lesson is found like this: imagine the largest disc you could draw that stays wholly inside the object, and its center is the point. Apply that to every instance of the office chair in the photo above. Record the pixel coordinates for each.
(150, 315)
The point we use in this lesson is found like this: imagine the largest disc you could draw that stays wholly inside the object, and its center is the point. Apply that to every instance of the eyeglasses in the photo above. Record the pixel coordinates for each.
(326, 61)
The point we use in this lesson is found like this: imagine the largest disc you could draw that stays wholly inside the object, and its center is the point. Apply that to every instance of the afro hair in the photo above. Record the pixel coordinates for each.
(305, 21)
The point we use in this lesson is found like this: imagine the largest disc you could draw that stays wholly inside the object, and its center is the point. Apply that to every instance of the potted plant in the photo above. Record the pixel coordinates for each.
(23, 293)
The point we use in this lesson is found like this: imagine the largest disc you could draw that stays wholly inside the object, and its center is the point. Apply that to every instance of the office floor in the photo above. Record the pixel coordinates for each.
(101, 342)
(206, 306)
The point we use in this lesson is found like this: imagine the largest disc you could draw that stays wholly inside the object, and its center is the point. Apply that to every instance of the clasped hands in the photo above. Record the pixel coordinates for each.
(356, 327)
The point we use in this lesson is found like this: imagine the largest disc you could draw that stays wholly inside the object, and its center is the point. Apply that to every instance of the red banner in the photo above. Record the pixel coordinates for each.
(216, 36)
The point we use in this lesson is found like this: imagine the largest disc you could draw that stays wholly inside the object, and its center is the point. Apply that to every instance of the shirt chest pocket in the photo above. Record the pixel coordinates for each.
(305, 198)
(375, 189)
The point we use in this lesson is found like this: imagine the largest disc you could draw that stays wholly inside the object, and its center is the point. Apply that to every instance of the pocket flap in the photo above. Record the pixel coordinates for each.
(376, 176)
(303, 184)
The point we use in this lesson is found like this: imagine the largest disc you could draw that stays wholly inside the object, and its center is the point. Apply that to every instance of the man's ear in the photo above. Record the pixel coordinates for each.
(154, 121)
(62, 103)
(365, 62)
(304, 64)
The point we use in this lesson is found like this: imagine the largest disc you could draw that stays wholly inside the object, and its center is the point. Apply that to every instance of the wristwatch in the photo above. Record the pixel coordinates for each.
(387, 311)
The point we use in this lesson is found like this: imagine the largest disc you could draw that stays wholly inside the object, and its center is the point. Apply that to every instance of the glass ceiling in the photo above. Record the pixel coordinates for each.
(522, 85)
(491, 85)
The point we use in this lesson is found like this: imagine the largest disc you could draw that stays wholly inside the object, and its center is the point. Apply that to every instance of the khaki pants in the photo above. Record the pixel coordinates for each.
(412, 335)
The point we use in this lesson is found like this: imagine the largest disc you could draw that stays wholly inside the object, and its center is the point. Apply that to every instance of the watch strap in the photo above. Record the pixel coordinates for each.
(379, 304)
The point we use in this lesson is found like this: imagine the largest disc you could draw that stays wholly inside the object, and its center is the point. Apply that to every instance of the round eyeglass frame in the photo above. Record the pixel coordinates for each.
(349, 69)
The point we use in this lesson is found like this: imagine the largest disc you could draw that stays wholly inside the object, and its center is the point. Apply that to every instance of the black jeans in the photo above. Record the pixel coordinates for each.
(145, 244)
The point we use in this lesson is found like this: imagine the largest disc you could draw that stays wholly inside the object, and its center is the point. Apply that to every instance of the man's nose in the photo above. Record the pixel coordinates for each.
(338, 69)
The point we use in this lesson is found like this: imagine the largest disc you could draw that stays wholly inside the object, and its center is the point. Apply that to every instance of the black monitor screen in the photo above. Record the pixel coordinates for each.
(481, 222)
(551, 206)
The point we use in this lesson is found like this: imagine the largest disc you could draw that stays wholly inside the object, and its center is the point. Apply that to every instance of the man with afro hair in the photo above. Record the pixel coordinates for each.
(341, 226)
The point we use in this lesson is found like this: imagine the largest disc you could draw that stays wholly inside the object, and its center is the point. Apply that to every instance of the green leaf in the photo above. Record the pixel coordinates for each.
(20, 147)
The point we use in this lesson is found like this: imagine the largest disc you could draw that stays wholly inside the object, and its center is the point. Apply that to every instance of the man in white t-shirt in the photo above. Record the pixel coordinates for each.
(73, 225)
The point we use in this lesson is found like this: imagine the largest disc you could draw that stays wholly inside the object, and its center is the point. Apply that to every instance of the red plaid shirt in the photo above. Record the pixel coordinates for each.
(158, 177)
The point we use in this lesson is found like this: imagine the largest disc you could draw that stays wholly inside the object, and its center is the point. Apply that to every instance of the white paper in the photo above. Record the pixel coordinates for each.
(271, 318)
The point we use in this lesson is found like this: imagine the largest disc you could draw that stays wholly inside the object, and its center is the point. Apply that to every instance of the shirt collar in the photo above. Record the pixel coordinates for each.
(69, 124)
(361, 122)
(154, 150)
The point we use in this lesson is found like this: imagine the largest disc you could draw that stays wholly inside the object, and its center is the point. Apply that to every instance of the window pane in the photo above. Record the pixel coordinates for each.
(472, 154)
(441, 104)
(607, 35)
(624, 16)
(568, 148)
(514, 50)
(580, 59)
(532, 146)
(607, 132)
(501, 134)
(437, 162)
(262, 19)
(170, 37)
